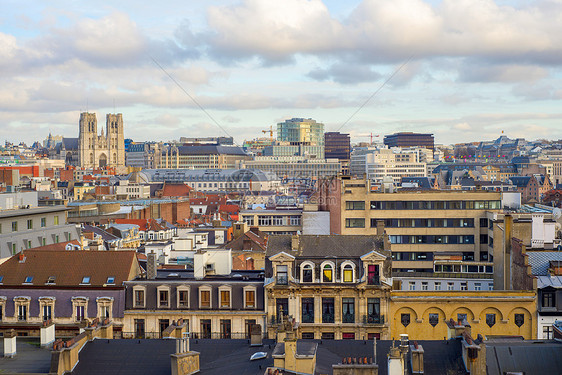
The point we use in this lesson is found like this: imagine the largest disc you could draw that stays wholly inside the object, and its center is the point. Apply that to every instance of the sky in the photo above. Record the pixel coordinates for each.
(464, 70)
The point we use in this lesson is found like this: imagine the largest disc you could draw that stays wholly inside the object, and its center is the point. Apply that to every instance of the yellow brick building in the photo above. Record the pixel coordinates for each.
(422, 314)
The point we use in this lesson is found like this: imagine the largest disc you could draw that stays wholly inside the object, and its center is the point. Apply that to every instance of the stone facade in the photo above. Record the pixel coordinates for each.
(97, 151)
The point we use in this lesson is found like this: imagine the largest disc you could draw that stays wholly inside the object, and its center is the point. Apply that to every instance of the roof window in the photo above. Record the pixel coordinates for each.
(28, 279)
(111, 280)
(51, 280)
(86, 280)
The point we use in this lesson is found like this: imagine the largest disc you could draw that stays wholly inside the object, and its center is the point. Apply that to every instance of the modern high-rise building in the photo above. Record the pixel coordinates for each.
(336, 145)
(301, 131)
(409, 139)
(101, 150)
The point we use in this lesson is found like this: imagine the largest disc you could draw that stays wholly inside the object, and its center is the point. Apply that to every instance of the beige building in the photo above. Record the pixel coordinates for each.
(420, 224)
(333, 287)
(273, 221)
(98, 151)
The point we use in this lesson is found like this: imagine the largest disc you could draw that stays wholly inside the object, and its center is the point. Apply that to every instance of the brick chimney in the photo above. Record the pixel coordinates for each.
(151, 265)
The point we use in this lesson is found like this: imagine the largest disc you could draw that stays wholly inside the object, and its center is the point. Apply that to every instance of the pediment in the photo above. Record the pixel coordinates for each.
(373, 256)
(282, 257)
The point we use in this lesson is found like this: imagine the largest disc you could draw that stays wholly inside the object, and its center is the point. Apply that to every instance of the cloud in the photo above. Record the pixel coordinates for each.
(345, 73)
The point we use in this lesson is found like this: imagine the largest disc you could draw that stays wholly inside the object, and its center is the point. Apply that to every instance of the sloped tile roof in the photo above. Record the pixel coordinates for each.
(327, 245)
(176, 190)
(69, 267)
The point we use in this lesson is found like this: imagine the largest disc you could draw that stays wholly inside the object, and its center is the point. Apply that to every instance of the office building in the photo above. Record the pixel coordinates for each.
(301, 131)
(409, 139)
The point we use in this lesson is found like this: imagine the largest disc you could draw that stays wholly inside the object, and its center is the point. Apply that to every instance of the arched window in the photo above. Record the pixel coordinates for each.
(327, 273)
(307, 275)
(347, 273)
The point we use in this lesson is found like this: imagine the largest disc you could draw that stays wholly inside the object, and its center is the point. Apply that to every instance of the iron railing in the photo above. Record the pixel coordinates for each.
(373, 319)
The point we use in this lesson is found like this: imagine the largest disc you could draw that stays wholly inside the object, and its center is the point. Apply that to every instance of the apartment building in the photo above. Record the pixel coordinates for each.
(212, 300)
(421, 224)
(334, 287)
(273, 221)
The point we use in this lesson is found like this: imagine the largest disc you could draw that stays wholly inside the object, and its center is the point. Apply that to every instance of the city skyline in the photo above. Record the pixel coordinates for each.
(464, 70)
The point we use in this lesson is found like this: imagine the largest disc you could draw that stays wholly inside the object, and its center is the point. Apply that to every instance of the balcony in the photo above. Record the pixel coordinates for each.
(282, 280)
(348, 318)
(308, 318)
(327, 318)
(373, 319)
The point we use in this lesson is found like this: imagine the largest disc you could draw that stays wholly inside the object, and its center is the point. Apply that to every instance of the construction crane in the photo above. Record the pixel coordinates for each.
(371, 135)
(270, 131)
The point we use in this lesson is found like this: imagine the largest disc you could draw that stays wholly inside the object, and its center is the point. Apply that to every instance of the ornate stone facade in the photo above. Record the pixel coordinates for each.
(105, 150)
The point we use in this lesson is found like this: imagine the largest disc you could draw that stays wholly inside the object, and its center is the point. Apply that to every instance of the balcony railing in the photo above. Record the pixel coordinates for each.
(282, 280)
(348, 318)
(373, 281)
(327, 318)
(373, 319)
(308, 318)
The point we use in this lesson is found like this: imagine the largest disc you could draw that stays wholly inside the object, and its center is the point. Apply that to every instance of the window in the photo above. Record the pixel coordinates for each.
(437, 285)
(79, 313)
(373, 274)
(547, 332)
(110, 280)
(14, 226)
(450, 286)
(183, 297)
(477, 286)
(224, 297)
(282, 275)
(348, 273)
(282, 307)
(461, 318)
(29, 224)
(548, 299)
(348, 310)
(205, 298)
(354, 205)
(250, 299)
(490, 320)
(308, 310)
(105, 312)
(85, 280)
(205, 328)
(43, 222)
(327, 310)
(22, 312)
(424, 285)
(373, 310)
(355, 223)
(433, 319)
(226, 329)
(412, 285)
(519, 319)
(405, 319)
(464, 285)
(139, 297)
(327, 273)
(163, 297)
(28, 280)
(307, 273)
(56, 220)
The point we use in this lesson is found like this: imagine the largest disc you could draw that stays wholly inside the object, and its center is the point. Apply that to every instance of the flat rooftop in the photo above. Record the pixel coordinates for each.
(30, 358)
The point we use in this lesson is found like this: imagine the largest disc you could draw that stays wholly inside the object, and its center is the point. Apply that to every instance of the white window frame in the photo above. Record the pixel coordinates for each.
(183, 288)
(22, 301)
(136, 288)
(163, 288)
(250, 288)
(80, 301)
(303, 265)
(105, 303)
(225, 288)
(342, 266)
(210, 290)
(47, 301)
(330, 263)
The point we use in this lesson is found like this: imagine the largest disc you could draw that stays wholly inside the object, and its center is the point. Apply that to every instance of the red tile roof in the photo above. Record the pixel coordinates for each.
(229, 208)
(70, 267)
(144, 224)
(176, 190)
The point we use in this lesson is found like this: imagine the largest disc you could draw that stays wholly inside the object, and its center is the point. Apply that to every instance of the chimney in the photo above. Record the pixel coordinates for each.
(255, 230)
(295, 242)
(21, 257)
(10, 343)
(151, 265)
(416, 358)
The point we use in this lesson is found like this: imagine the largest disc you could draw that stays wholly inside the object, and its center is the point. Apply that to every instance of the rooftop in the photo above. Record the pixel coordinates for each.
(30, 358)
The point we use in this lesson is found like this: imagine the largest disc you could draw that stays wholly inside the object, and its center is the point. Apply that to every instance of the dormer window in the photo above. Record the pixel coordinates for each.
(85, 280)
(28, 280)
(347, 273)
(1, 279)
(307, 273)
(51, 280)
(327, 273)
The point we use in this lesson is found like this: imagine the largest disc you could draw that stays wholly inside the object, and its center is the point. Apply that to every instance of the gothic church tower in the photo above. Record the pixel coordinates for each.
(105, 150)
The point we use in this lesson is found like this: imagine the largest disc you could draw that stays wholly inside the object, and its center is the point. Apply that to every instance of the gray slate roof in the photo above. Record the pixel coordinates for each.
(540, 261)
(328, 245)
(526, 357)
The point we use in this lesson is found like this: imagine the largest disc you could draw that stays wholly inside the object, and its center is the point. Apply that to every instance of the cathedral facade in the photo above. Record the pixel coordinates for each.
(105, 150)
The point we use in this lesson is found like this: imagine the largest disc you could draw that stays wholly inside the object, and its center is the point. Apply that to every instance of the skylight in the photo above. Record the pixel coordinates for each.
(28, 279)
(86, 280)
(111, 280)
(1, 279)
